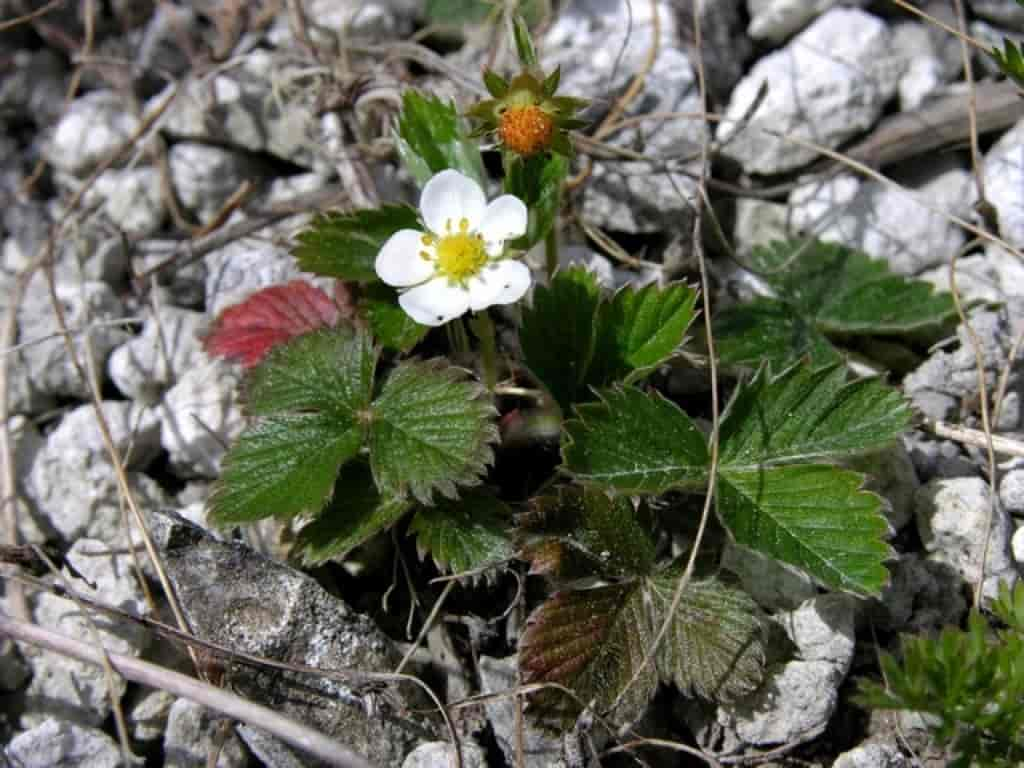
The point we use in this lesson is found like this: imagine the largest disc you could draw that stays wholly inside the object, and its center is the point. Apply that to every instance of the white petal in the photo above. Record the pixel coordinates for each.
(504, 219)
(450, 197)
(435, 302)
(399, 262)
(503, 283)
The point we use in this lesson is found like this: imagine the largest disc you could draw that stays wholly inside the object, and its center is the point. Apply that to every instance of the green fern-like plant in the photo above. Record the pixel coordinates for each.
(971, 681)
(1011, 58)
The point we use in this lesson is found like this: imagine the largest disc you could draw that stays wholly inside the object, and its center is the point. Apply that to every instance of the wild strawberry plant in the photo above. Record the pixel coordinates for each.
(377, 409)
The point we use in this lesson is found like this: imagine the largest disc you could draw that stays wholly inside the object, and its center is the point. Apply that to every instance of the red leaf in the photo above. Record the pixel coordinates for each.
(272, 316)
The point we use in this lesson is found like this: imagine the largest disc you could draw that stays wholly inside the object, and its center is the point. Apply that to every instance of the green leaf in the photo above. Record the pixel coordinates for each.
(714, 646)
(430, 431)
(465, 534)
(537, 180)
(766, 330)
(586, 532)
(634, 442)
(1010, 61)
(345, 245)
(811, 516)
(524, 42)
(557, 335)
(310, 396)
(281, 466)
(391, 326)
(842, 290)
(496, 85)
(329, 371)
(356, 513)
(805, 414)
(638, 330)
(592, 642)
(431, 139)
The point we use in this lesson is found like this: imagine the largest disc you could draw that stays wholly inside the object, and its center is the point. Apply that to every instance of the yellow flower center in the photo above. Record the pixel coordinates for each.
(460, 255)
(526, 129)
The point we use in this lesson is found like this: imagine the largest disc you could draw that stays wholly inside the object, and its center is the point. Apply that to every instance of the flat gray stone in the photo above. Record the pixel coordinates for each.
(192, 735)
(59, 743)
(235, 597)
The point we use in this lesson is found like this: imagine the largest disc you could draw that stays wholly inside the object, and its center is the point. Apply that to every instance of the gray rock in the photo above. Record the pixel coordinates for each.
(86, 305)
(1017, 548)
(775, 21)
(774, 585)
(890, 474)
(243, 267)
(79, 497)
(149, 364)
(193, 732)
(599, 47)
(954, 375)
(204, 176)
(375, 18)
(71, 689)
(93, 126)
(872, 756)
(146, 712)
(182, 284)
(922, 596)
(134, 430)
(234, 597)
(28, 228)
(540, 749)
(58, 743)
(1005, 12)
(931, 60)
(992, 276)
(441, 754)
(200, 416)
(952, 519)
(33, 87)
(726, 46)
(884, 223)
(131, 199)
(90, 253)
(1004, 183)
(1011, 491)
(829, 83)
(226, 108)
(759, 222)
(796, 702)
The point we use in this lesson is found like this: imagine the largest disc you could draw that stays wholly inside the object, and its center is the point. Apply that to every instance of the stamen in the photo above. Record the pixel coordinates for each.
(463, 224)
(427, 239)
(424, 255)
(448, 225)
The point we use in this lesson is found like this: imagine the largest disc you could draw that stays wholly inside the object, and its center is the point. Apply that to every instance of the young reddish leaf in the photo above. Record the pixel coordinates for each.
(272, 316)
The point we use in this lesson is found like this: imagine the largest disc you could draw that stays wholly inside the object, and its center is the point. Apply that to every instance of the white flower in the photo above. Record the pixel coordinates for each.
(456, 264)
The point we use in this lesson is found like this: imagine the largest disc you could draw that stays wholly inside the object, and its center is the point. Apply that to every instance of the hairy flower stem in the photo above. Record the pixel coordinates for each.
(483, 327)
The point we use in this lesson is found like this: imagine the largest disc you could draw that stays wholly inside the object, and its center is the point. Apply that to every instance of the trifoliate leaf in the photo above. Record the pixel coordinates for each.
(391, 326)
(355, 514)
(557, 335)
(638, 330)
(592, 642)
(310, 398)
(430, 430)
(537, 181)
(822, 289)
(811, 516)
(281, 466)
(431, 139)
(843, 290)
(634, 442)
(269, 317)
(345, 245)
(326, 371)
(769, 331)
(466, 534)
(805, 414)
(577, 532)
(714, 645)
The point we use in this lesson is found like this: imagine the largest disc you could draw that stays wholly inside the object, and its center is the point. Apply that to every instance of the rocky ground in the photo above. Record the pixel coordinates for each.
(160, 156)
